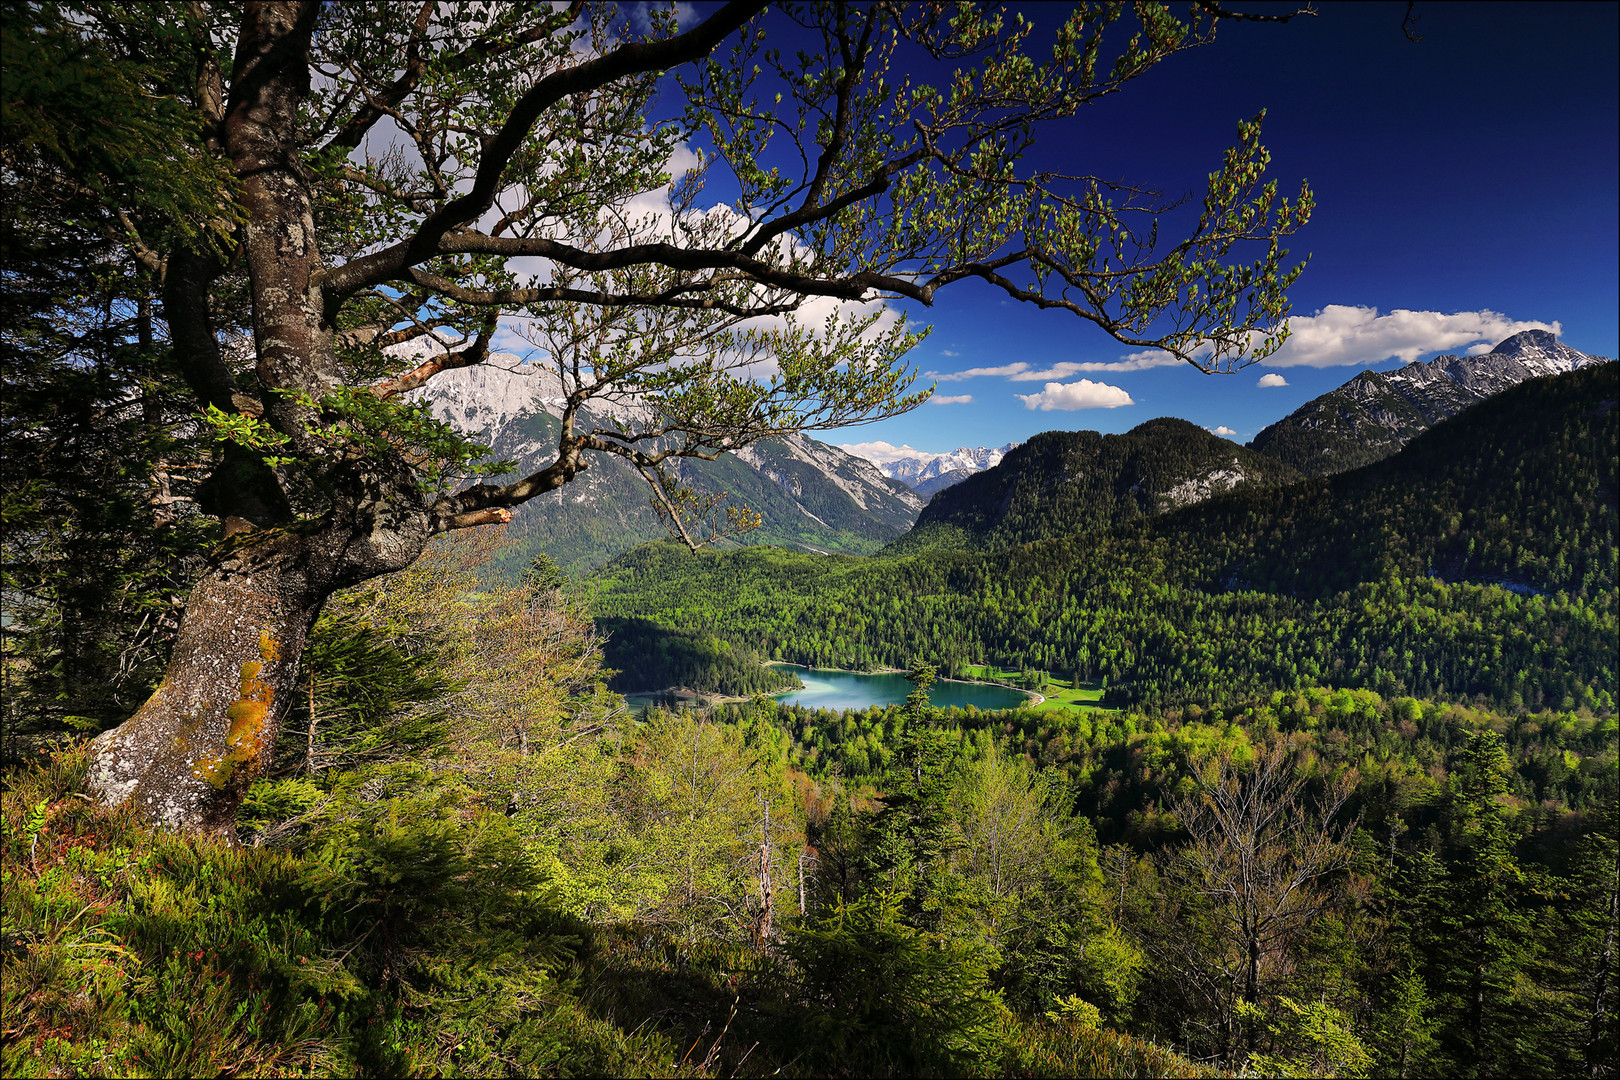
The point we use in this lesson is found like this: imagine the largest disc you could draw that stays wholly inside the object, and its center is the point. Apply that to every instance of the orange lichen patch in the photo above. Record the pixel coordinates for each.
(244, 739)
(246, 718)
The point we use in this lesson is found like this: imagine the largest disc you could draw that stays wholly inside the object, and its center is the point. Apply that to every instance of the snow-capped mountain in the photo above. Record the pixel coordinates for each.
(810, 494)
(927, 472)
(1376, 413)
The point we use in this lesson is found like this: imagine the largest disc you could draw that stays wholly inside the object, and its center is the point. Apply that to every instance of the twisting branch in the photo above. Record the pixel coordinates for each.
(635, 58)
(673, 297)
(1220, 12)
(419, 375)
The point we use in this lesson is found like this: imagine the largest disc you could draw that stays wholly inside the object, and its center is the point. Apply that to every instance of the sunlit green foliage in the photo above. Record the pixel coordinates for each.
(1442, 574)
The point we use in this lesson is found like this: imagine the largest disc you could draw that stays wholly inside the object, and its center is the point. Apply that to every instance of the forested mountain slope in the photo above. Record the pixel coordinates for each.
(1062, 482)
(1520, 492)
(1376, 413)
(1478, 562)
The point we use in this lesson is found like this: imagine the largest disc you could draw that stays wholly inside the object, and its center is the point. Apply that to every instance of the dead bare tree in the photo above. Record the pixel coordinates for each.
(1256, 870)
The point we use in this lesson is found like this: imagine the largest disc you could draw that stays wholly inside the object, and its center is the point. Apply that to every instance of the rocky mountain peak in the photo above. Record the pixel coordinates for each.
(1375, 413)
(923, 471)
(1543, 353)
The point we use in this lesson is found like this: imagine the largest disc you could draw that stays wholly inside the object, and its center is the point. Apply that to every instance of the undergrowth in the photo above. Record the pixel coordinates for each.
(424, 948)
(415, 941)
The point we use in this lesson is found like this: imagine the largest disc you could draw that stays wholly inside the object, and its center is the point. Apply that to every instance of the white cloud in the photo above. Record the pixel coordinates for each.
(1272, 379)
(1022, 372)
(1341, 334)
(1084, 394)
(1134, 362)
(1337, 335)
(883, 453)
(947, 352)
(950, 399)
(978, 372)
(1221, 430)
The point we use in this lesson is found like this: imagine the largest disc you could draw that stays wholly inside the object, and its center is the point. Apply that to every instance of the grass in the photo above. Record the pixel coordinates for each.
(1060, 696)
(130, 952)
(1088, 695)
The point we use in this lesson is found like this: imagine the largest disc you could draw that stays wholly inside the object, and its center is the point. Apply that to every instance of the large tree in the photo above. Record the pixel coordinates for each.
(337, 202)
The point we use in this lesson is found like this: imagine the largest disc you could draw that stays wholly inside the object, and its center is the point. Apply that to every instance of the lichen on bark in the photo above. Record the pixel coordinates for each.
(245, 738)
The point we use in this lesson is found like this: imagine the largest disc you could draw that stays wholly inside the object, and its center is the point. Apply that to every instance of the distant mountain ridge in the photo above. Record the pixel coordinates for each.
(928, 473)
(1376, 413)
(1062, 482)
(812, 496)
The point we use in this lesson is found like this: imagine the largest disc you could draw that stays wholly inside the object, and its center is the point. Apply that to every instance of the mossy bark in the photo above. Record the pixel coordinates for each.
(189, 753)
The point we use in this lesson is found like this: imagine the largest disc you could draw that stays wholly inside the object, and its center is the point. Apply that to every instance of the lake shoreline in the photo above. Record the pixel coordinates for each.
(1034, 698)
(702, 700)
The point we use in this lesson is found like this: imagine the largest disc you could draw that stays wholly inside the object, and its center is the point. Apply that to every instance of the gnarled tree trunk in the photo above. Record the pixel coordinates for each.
(190, 752)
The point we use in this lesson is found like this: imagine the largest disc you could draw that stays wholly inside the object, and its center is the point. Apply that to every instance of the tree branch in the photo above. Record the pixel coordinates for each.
(669, 298)
(1219, 12)
(419, 375)
(634, 58)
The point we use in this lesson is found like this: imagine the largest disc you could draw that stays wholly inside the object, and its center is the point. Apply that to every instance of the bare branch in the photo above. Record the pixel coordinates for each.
(1219, 12)
(418, 376)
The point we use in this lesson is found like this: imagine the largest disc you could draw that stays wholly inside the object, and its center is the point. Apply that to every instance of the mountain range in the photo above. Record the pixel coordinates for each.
(1376, 413)
(1065, 481)
(927, 473)
(812, 496)
(816, 497)
(1062, 482)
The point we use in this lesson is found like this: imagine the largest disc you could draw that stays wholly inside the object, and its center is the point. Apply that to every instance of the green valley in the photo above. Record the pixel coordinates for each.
(1444, 572)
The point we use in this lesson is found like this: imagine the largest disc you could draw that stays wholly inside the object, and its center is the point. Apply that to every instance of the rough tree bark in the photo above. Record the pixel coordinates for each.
(188, 754)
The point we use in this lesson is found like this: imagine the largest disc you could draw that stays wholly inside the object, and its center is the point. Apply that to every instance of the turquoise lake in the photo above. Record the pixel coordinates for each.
(825, 689)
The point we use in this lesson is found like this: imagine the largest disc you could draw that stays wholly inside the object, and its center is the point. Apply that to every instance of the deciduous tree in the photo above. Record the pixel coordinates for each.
(1253, 874)
(393, 175)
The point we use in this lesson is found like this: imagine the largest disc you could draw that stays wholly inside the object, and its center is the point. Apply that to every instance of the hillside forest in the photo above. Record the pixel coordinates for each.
(1296, 854)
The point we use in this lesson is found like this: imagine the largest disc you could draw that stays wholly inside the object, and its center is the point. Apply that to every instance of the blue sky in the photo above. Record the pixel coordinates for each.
(1469, 180)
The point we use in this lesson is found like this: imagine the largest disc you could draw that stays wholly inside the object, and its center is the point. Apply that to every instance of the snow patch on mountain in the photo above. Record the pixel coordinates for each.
(916, 468)
(1376, 413)
(486, 400)
(1527, 355)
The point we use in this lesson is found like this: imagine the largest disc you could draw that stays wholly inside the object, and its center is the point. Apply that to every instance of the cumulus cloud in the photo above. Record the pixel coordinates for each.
(1084, 394)
(1221, 430)
(1342, 334)
(950, 399)
(1272, 379)
(1336, 336)
(882, 453)
(947, 352)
